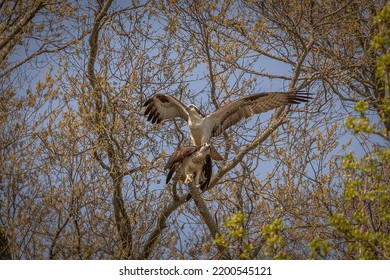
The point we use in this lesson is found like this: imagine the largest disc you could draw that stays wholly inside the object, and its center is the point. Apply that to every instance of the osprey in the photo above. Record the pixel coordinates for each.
(161, 107)
(191, 163)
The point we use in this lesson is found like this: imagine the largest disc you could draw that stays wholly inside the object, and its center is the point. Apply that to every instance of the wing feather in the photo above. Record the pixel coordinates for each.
(248, 106)
(179, 154)
(208, 172)
(169, 176)
(161, 107)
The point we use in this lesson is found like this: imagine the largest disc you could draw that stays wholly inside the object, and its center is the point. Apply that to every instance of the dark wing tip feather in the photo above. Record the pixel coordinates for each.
(147, 102)
(155, 118)
(299, 96)
(148, 109)
(160, 107)
(169, 175)
(152, 113)
(151, 117)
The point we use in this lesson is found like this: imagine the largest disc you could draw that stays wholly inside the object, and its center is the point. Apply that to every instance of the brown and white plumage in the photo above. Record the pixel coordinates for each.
(190, 163)
(161, 107)
(245, 107)
(164, 107)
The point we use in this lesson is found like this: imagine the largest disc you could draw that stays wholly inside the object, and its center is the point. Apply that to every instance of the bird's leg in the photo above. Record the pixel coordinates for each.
(197, 179)
(189, 176)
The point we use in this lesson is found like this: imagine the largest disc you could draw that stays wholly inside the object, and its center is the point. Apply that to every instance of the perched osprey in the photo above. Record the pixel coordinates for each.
(191, 163)
(161, 107)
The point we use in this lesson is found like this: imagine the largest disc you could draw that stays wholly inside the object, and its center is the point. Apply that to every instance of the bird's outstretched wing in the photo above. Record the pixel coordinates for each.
(248, 106)
(162, 107)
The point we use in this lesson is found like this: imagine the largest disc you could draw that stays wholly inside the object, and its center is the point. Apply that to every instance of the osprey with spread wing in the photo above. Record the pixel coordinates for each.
(191, 163)
(161, 107)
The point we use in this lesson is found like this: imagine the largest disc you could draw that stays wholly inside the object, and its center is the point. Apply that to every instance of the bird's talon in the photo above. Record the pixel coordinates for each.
(188, 179)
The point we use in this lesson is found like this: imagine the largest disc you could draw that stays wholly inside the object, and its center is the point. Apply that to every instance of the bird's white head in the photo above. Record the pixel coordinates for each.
(193, 109)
